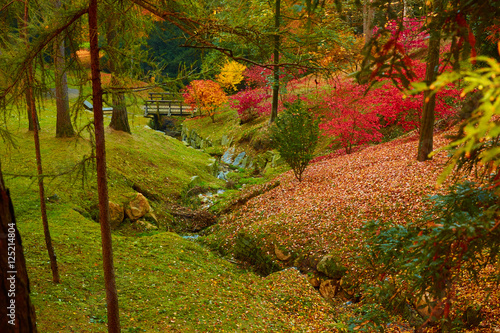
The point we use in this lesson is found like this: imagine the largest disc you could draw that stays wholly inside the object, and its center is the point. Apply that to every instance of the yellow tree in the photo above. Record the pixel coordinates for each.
(231, 75)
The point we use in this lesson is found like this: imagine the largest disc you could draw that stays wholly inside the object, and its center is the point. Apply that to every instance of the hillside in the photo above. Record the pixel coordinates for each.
(300, 223)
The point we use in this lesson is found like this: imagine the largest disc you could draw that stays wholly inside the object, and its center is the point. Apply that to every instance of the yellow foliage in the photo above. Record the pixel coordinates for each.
(231, 74)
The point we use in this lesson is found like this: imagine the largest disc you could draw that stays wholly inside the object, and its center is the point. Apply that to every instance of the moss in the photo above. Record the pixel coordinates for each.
(251, 249)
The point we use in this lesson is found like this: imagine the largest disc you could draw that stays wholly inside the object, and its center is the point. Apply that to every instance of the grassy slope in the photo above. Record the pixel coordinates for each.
(165, 283)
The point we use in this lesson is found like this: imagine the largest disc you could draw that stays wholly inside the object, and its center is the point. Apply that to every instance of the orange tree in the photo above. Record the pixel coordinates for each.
(206, 96)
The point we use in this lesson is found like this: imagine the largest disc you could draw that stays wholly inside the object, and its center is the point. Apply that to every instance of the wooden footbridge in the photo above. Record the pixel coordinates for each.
(164, 104)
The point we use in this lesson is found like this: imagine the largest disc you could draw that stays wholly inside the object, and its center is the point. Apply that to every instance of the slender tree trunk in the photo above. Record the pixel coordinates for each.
(41, 191)
(102, 186)
(64, 128)
(17, 313)
(34, 126)
(425, 143)
(276, 68)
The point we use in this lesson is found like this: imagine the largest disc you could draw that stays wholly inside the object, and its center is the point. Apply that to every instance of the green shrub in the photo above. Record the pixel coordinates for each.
(295, 135)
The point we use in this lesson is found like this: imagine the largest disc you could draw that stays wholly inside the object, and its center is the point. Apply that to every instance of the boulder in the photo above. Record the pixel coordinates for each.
(116, 214)
(138, 207)
(238, 159)
(328, 289)
(228, 156)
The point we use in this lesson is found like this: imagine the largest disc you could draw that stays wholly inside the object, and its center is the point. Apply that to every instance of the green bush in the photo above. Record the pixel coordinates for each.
(295, 135)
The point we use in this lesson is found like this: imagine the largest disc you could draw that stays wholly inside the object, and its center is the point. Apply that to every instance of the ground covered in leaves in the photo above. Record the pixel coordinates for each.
(338, 195)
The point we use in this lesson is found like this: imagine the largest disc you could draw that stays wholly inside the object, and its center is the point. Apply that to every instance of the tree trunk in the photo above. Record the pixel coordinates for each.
(102, 186)
(119, 118)
(31, 108)
(368, 16)
(425, 143)
(17, 313)
(64, 128)
(41, 191)
(276, 68)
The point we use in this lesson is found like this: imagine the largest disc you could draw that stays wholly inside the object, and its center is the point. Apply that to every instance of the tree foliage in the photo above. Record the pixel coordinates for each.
(231, 75)
(295, 135)
(206, 96)
(250, 104)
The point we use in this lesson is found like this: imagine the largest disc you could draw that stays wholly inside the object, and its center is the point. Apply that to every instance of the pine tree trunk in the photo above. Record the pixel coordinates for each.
(31, 108)
(64, 128)
(425, 143)
(102, 186)
(276, 68)
(41, 191)
(17, 313)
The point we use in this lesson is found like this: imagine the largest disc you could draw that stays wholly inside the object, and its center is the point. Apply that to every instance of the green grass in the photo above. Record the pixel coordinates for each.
(165, 283)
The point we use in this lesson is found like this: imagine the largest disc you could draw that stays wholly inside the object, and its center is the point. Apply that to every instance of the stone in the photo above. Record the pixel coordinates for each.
(228, 156)
(116, 214)
(238, 159)
(280, 255)
(276, 160)
(425, 308)
(331, 267)
(243, 163)
(144, 225)
(315, 282)
(226, 141)
(213, 166)
(138, 207)
(222, 175)
(328, 289)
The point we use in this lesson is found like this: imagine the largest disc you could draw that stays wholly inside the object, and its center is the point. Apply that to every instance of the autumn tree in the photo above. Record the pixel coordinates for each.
(231, 75)
(205, 96)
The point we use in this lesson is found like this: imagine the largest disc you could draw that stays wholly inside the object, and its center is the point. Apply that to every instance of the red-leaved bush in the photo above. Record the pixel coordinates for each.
(249, 104)
(411, 35)
(349, 119)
